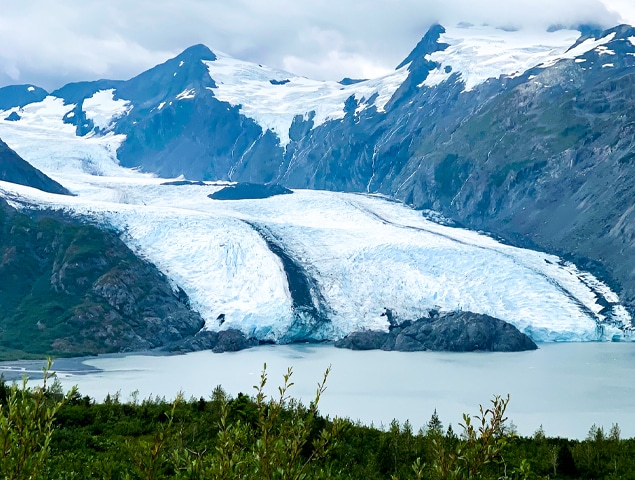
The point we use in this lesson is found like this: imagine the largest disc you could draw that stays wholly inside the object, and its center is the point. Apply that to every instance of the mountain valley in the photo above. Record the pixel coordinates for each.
(527, 136)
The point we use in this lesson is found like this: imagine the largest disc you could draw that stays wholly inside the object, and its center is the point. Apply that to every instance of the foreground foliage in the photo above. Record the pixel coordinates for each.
(26, 426)
(45, 434)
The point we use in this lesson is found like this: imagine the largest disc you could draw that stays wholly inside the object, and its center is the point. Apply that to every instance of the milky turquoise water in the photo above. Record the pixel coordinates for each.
(565, 387)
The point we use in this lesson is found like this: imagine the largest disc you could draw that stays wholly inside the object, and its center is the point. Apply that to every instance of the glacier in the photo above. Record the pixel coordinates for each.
(362, 253)
(358, 254)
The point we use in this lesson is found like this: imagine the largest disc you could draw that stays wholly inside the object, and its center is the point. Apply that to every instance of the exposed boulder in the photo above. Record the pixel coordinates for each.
(230, 340)
(453, 332)
(248, 191)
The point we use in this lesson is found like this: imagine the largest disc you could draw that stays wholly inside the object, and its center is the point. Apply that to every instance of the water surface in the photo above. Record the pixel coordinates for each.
(565, 387)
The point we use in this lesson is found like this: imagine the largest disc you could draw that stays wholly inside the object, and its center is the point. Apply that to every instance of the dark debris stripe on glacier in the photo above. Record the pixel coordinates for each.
(311, 313)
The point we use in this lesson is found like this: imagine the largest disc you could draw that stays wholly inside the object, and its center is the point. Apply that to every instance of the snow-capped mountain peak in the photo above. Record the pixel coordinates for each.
(475, 54)
(274, 97)
(431, 133)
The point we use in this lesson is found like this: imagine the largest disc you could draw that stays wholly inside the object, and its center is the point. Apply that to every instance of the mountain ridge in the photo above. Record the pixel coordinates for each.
(529, 138)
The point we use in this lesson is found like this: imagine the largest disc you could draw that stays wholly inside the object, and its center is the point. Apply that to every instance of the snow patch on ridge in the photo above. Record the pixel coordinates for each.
(186, 94)
(484, 52)
(262, 95)
(43, 139)
(103, 109)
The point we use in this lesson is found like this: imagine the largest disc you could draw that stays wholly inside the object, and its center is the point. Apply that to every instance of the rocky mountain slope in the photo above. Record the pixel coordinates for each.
(70, 288)
(15, 170)
(527, 135)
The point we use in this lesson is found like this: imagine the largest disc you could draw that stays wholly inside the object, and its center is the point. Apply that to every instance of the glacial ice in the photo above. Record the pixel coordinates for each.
(363, 253)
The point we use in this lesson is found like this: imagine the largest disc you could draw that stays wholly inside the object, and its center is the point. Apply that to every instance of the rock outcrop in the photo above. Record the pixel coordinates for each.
(71, 288)
(454, 332)
(247, 191)
(16, 170)
(230, 340)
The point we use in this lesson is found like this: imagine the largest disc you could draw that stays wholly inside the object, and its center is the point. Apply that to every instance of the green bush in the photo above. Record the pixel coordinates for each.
(26, 426)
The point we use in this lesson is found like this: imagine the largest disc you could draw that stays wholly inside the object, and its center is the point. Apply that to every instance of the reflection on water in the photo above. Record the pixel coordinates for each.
(564, 387)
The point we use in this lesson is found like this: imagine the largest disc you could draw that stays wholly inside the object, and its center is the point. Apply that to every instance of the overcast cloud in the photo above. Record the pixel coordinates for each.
(51, 43)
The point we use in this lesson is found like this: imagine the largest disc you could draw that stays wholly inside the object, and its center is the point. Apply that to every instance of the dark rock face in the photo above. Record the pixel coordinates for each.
(180, 183)
(16, 170)
(218, 342)
(351, 81)
(454, 332)
(76, 92)
(70, 288)
(244, 191)
(311, 314)
(20, 95)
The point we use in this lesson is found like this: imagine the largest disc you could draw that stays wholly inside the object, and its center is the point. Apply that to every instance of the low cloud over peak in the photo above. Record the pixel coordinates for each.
(50, 44)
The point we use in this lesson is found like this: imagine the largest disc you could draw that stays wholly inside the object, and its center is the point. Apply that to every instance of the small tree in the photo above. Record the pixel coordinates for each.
(284, 443)
(434, 427)
(26, 427)
(481, 445)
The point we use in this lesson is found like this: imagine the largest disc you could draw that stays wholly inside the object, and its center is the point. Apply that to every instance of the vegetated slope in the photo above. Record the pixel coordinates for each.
(70, 288)
(15, 170)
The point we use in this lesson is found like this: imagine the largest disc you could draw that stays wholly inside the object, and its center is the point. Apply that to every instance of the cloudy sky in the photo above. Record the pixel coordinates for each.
(51, 43)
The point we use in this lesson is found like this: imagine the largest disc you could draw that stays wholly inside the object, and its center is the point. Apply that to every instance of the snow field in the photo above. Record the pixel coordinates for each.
(274, 107)
(479, 53)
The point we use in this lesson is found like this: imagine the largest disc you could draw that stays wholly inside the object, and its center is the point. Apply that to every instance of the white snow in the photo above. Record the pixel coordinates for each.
(365, 254)
(41, 137)
(103, 109)
(274, 107)
(161, 105)
(603, 50)
(479, 53)
(31, 89)
(186, 94)
(606, 65)
(632, 40)
(181, 63)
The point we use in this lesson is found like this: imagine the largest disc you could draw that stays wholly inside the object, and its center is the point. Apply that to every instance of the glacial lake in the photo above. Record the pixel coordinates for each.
(566, 387)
